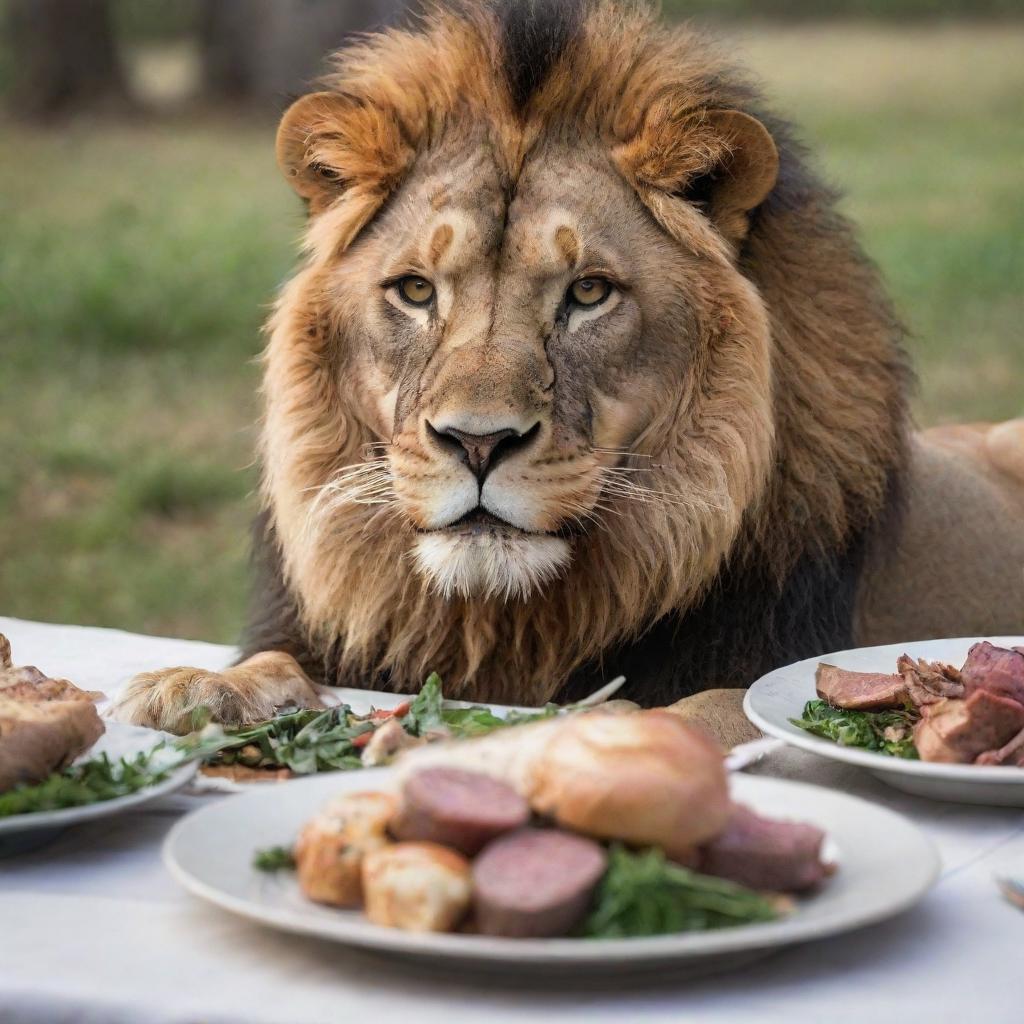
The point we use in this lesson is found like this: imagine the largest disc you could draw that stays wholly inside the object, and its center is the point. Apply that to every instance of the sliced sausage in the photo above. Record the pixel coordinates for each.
(535, 883)
(457, 808)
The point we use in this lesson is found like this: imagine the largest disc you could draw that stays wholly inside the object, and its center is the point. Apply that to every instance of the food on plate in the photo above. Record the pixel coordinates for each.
(460, 809)
(765, 854)
(420, 887)
(535, 883)
(594, 825)
(44, 723)
(644, 893)
(330, 850)
(646, 778)
(927, 710)
(309, 740)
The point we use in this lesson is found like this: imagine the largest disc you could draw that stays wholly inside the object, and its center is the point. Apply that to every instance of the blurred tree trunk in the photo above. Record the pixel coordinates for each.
(65, 57)
(265, 52)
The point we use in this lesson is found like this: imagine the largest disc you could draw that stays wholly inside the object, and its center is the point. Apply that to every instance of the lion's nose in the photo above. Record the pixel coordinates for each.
(482, 452)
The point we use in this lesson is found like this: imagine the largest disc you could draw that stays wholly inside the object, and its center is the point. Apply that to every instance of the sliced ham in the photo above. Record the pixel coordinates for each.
(957, 731)
(762, 853)
(859, 691)
(999, 670)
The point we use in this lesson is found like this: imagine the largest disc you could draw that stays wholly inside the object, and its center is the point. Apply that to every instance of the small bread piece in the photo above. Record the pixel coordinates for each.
(457, 808)
(420, 887)
(330, 849)
(535, 883)
(648, 779)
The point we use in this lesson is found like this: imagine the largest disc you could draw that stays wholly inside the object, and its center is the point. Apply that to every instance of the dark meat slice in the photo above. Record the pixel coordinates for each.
(957, 731)
(762, 853)
(457, 808)
(1010, 753)
(999, 670)
(929, 681)
(859, 691)
(535, 883)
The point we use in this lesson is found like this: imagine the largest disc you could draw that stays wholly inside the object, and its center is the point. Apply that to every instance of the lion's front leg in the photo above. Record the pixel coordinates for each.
(720, 713)
(249, 692)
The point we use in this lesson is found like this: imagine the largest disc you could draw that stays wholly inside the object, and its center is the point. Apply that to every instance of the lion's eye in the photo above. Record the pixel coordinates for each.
(417, 291)
(589, 291)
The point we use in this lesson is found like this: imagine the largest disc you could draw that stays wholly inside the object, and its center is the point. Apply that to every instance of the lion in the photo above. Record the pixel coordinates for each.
(583, 374)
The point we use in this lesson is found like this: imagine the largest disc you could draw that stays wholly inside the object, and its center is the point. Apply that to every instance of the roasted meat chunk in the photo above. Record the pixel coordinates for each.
(44, 723)
(763, 853)
(1000, 670)
(957, 731)
(860, 691)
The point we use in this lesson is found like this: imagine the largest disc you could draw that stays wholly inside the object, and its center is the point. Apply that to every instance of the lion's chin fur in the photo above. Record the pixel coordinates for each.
(507, 566)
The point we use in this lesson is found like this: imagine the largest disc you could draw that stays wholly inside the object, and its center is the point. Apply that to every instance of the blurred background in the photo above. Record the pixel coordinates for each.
(144, 230)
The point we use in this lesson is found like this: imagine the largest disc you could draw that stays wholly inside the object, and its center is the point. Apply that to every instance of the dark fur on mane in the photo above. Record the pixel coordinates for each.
(534, 34)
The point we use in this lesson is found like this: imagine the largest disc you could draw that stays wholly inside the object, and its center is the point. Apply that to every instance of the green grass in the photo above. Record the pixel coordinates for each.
(137, 264)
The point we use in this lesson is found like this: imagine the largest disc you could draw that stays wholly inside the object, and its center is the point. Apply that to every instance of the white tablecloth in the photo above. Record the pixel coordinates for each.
(93, 929)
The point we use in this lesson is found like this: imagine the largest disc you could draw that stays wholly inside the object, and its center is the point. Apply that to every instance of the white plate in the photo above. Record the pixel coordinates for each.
(779, 696)
(886, 865)
(21, 832)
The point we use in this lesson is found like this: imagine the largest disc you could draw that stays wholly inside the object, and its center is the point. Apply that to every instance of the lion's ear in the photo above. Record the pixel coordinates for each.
(723, 160)
(328, 144)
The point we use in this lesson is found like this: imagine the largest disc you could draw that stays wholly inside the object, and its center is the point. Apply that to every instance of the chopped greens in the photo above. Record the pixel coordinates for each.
(642, 893)
(305, 741)
(427, 714)
(887, 732)
(274, 858)
(89, 782)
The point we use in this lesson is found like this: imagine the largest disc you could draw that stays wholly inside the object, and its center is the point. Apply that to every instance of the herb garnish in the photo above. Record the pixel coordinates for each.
(89, 782)
(887, 732)
(642, 893)
(274, 858)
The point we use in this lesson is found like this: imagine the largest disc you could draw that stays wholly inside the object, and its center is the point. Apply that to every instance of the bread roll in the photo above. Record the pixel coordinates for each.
(421, 887)
(646, 778)
(330, 849)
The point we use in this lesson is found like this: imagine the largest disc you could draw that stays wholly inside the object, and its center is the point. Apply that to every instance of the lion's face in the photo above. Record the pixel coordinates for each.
(510, 346)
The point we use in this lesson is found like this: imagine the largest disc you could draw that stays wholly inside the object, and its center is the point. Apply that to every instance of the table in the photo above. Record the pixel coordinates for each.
(92, 929)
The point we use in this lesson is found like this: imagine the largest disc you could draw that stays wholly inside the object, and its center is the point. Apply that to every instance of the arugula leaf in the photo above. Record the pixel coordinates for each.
(642, 893)
(305, 741)
(887, 732)
(425, 714)
(274, 858)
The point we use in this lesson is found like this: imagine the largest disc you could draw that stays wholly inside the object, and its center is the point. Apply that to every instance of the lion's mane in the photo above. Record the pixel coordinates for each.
(654, 596)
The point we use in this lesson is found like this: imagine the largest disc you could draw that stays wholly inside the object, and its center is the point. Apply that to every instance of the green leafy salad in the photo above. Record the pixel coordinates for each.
(303, 742)
(885, 732)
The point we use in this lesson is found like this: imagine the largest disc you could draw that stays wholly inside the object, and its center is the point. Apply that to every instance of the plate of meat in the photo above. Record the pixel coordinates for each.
(937, 718)
(576, 846)
(61, 764)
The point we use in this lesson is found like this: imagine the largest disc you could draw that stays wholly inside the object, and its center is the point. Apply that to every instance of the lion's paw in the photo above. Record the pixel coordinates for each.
(252, 691)
(720, 713)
